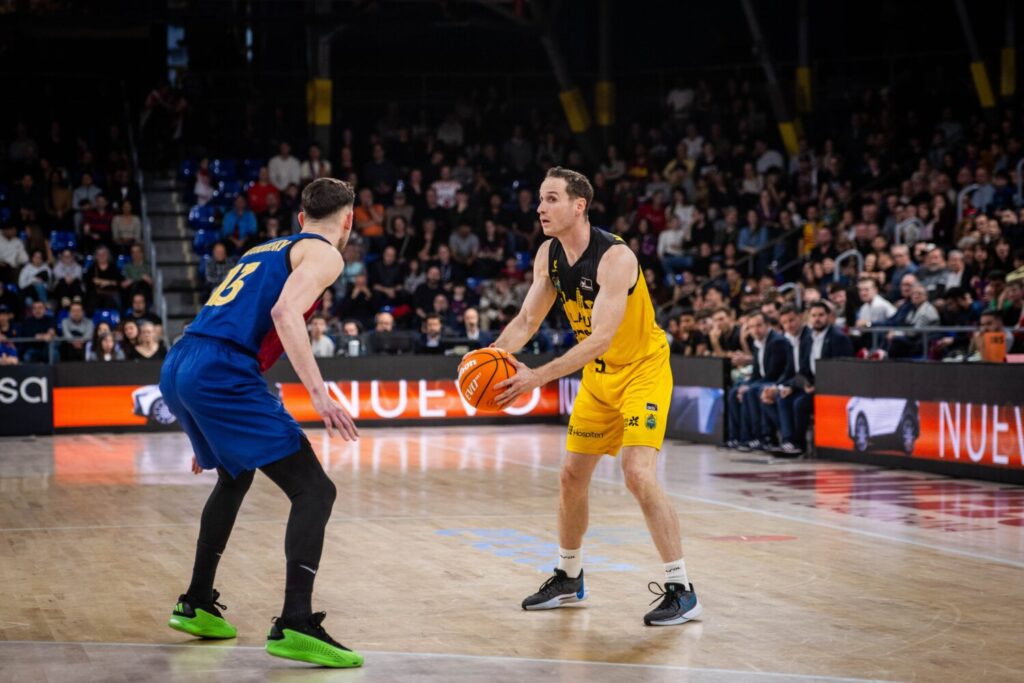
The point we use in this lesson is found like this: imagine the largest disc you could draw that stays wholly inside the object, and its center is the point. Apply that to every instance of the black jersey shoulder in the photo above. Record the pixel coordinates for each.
(582, 275)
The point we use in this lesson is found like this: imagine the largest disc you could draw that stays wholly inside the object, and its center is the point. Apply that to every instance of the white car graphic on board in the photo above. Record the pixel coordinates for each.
(872, 420)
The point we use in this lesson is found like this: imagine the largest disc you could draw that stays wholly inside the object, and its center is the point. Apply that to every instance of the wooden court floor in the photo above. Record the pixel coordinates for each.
(808, 571)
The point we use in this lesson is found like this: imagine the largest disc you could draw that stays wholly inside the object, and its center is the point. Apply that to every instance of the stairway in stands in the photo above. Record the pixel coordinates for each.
(168, 216)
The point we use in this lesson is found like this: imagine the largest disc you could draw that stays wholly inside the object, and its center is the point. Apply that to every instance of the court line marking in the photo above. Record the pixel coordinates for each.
(494, 658)
(768, 513)
(339, 518)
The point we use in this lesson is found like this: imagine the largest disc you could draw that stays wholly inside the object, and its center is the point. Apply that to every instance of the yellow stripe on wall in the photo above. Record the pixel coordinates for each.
(1008, 79)
(575, 110)
(982, 85)
(604, 103)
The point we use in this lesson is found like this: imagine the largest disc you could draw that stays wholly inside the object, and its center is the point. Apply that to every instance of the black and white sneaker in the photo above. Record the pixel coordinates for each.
(678, 605)
(557, 591)
(787, 450)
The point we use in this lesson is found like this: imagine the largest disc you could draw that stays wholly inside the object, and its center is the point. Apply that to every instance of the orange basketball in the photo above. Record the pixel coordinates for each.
(479, 372)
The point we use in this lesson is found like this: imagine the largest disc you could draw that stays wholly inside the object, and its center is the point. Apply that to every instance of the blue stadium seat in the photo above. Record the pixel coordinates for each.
(202, 267)
(61, 316)
(87, 263)
(123, 260)
(111, 316)
(224, 169)
(3, 194)
(200, 217)
(12, 288)
(251, 169)
(523, 260)
(5, 214)
(229, 189)
(187, 171)
(204, 241)
(63, 239)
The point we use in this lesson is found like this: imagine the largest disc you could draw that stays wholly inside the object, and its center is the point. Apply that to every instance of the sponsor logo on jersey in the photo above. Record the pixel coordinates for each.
(584, 434)
(651, 422)
(586, 283)
(652, 406)
(632, 421)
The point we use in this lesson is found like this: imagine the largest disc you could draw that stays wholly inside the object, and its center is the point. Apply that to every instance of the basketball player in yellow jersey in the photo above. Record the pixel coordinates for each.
(623, 399)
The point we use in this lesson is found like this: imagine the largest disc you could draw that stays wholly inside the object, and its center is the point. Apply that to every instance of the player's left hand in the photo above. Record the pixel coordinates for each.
(196, 469)
(524, 380)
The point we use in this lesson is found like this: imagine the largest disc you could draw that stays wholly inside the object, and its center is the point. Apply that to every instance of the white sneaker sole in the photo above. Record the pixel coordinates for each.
(559, 601)
(694, 613)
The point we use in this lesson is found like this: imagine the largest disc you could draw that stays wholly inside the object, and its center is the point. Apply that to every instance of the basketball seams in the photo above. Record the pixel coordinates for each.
(493, 356)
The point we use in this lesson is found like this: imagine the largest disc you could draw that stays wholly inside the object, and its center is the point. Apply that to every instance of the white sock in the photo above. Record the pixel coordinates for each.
(570, 561)
(675, 572)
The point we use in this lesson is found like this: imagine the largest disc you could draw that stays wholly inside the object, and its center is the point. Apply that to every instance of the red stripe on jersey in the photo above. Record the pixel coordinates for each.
(271, 348)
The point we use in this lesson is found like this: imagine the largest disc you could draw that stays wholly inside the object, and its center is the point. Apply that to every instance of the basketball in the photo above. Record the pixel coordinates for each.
(479, 372)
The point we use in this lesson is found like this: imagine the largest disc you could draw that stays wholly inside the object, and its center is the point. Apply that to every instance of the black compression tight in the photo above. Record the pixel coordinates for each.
(312, 494)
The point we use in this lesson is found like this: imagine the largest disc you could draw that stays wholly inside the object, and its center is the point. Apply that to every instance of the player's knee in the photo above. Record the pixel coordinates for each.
(325, 493)
(639, 476)
(573, 480)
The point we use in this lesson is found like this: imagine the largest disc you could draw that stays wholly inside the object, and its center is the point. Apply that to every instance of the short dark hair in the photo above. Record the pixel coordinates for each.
(326, 196)
(820, 303)
(788, 308)
(576, 184)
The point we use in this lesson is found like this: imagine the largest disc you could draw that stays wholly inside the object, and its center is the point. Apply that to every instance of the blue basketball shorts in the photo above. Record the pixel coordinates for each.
(225, 407)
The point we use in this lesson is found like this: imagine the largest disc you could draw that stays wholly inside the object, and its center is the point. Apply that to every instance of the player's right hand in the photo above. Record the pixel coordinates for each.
(335, 417)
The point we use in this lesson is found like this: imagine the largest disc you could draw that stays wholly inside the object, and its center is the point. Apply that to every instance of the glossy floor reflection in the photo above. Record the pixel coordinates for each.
(807, 570)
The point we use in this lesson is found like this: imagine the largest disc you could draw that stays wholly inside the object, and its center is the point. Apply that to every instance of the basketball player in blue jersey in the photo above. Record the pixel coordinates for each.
(212, 382)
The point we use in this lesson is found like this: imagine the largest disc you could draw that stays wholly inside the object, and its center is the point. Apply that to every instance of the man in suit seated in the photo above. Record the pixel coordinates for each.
(748, 427)
(794, 398)
(384, 339)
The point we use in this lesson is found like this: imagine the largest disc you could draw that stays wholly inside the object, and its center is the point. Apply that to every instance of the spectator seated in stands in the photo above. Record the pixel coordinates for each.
(724, 336)
(386, 276)
(922, 313)
(239, 226)
(77, 330)
(138, 275)
(12, 254)
(687, 339)
(103, 282)
(217, 267)
(314, 167)
(323, 345)
(126, 229)
(431, 338)
(150, 346)
(8, 331)
(284, 169)
(358, 302)
(67, 279)
(104, 349)
(471, 330)
(874, 309)
(139, 312)
(35, 278)
(96, 224)
(261, 191)
(39, 325)
(794, 397)
(749, 429)
(351, 342)
(385, 339)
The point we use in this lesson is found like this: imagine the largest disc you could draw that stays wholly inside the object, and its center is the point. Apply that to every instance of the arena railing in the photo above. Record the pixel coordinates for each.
(924, 335)
(147, 229)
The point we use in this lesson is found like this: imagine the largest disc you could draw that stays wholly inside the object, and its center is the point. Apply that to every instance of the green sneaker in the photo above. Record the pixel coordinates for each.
(201, 620)
(309, 642)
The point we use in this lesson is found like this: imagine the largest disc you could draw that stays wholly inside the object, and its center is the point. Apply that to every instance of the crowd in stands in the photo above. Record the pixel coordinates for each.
(717, 213)
(73, 271)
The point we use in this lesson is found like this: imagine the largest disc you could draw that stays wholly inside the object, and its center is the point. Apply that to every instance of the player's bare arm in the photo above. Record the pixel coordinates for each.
(315, 265)
(616, 275)
(535, 307)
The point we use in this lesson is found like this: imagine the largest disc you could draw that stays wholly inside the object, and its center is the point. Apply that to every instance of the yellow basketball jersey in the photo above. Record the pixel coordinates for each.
(638, 337)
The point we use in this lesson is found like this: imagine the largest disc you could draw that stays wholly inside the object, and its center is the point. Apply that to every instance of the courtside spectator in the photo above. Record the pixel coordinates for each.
(323, 345)
(76, 330)
(41, 326)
